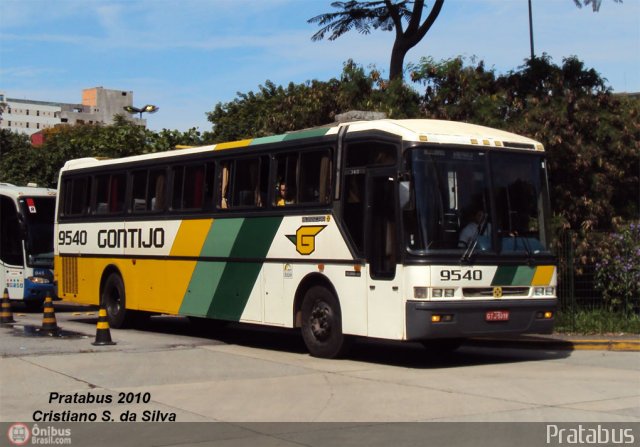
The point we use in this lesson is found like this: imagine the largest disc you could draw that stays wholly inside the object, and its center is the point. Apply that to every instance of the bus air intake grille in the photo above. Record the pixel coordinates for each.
(70, 275)
(487, 292)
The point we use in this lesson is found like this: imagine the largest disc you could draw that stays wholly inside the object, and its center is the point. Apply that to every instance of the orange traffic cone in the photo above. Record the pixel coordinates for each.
(6, 315)
(49, 322)
(103, 334)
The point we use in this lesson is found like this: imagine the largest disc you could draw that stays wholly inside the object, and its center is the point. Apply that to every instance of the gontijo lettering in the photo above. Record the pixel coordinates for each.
(131, 238)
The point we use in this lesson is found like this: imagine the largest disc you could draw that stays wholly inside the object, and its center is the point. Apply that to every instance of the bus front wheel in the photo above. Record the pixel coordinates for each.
(113, 300)
(322, 324)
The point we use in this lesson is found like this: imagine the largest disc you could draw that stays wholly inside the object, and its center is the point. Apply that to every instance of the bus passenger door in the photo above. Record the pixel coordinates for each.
(385, 309)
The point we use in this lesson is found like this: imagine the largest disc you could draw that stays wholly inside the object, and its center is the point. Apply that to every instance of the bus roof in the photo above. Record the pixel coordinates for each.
(13, 191)
(410, 130)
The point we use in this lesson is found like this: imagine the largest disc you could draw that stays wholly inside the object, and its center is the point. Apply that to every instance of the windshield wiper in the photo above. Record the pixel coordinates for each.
(471, 248)
(525, 244)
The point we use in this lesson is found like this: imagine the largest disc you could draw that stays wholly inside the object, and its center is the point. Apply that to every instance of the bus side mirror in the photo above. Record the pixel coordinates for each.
(404, 190)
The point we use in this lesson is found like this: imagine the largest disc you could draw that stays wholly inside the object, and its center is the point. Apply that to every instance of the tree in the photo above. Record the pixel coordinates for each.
(21, 163)
(390, 15)
(275, 109)
(386, 15)
(592, 137)
(595, 4)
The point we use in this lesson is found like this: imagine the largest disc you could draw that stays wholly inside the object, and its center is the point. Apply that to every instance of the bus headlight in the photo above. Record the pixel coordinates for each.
(544, 291)
(39, 280)
(420, 292)
(439, 293)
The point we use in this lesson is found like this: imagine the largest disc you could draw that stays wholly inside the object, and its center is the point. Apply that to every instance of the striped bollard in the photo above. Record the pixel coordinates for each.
(6, 316)
(49, 322)
(103, 334)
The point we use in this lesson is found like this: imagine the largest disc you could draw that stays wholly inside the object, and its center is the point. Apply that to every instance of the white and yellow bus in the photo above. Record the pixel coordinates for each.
(418, 230)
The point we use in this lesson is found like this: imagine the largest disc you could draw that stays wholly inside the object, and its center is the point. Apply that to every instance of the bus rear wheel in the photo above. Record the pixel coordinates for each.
(114, 301)
(322, 324)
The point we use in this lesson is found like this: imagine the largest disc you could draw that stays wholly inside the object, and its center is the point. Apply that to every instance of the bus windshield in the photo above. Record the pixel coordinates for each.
(38, 214)
(493, 201)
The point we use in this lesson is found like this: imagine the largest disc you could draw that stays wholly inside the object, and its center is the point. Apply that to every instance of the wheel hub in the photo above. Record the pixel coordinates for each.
(320, 321)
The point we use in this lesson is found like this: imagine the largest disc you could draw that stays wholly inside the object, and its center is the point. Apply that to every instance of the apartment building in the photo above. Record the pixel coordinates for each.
(99, 105)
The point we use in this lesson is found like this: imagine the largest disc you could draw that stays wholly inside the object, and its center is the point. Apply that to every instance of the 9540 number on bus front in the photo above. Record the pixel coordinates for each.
(460, 275)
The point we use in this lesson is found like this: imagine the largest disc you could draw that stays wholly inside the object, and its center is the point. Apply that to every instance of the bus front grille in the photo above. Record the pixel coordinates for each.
(70, 275)
(477, 292)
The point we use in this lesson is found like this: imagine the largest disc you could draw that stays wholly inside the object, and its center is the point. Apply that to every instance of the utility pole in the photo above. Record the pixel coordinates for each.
(533, 54)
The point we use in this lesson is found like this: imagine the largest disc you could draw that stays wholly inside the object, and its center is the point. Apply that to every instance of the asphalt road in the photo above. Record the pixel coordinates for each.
(170, 370)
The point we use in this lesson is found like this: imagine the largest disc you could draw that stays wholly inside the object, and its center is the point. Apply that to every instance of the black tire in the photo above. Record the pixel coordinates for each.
(442, 345)
(322, 324)
(114, 300)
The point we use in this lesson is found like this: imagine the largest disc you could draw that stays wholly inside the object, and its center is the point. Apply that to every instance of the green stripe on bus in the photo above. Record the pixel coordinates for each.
(204, 281)
(504, 275)
(207, 275)
(265, 140)
(513, 276)
(221, 289)
(307, 134)
(221, 237)
(523, 276)
(238, 278)
(255, 237)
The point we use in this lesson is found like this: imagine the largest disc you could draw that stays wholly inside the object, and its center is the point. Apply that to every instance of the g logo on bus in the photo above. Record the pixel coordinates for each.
(497, 292)
(305, 238)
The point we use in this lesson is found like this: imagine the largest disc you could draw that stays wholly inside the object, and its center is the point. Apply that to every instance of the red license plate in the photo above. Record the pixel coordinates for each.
(497, 315)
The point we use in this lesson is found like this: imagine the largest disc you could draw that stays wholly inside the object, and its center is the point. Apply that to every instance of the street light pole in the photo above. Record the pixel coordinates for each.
(533, 54)
(149, 108)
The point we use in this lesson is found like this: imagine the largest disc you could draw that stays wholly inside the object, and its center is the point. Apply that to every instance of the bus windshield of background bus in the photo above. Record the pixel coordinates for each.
(38, 213)
(456, 203)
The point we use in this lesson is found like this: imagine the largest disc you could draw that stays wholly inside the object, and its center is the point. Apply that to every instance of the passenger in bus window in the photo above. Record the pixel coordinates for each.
(283, 197)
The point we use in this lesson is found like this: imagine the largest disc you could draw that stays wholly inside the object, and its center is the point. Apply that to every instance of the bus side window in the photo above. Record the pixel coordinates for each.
(250, 182)
(117, 191)
(177, 186)
(306, 175)
(286, 179)
(193, 187)
(224, 182)
(314, 177)
(188, 187)
(138, 191)
(209, 186)
(157, 190)
(102, 194)
(77, 196)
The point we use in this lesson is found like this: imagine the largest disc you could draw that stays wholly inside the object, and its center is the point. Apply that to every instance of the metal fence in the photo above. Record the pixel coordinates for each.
(581, 306)
(576, 275)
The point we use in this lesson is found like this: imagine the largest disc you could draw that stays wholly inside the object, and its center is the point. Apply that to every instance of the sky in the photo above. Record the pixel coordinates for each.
(186, 56)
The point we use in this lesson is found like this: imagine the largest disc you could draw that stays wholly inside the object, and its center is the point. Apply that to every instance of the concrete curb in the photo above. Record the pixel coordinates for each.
(561, 343)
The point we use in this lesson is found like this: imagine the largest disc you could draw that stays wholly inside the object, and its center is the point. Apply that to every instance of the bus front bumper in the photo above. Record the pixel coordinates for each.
(34, 291)
(477, 318)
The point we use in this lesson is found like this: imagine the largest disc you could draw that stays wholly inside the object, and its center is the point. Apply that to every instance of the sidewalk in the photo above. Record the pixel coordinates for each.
(622, 342)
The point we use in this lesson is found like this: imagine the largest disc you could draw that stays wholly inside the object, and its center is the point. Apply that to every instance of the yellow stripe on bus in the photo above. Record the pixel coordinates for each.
(543, 275)
(232, 144)
(190, 237)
